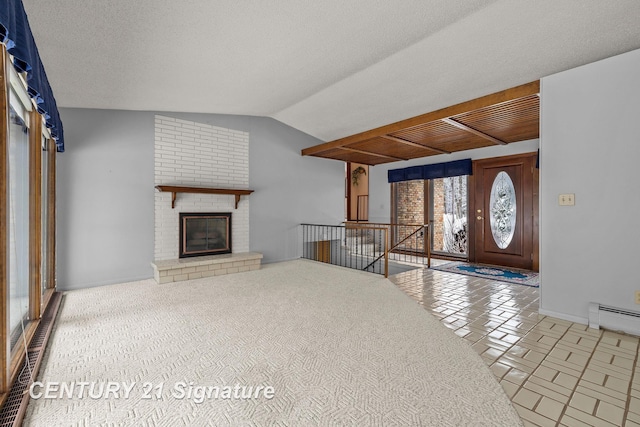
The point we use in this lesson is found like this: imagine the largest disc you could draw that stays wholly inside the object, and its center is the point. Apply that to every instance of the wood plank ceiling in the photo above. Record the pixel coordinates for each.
(498, 119)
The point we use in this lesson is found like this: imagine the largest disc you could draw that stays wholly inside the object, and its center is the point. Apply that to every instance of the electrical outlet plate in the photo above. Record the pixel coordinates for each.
(637, 297)
(567, 199)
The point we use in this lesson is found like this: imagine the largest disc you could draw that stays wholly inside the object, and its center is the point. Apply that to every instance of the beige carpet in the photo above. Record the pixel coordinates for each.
(339, 347)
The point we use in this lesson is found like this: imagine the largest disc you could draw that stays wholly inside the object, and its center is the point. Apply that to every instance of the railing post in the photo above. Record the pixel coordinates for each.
(428, 234)
(386, 252)
(425, 242)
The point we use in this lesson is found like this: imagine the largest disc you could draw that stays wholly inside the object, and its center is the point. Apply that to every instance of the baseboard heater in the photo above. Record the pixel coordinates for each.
(616, 319)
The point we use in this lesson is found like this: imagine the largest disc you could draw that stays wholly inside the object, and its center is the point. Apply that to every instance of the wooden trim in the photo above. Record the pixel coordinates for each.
(426, 200)
(364, 226)
(476, 132)
(426, 208)
(505, 159)
(387, 224)
(535, 261)
(386, 252)
(51, 214)
(180, 189)
(428, 246)
(482, 102)
(46, 297)
(471, 217)
(414, 144)
(347, 183)
(5, 356)
(19, 350)
(35, 214)
(394, 208)
(370, 153)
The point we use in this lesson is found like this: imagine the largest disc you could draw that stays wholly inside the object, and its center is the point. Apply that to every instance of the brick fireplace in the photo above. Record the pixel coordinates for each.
(200, 155)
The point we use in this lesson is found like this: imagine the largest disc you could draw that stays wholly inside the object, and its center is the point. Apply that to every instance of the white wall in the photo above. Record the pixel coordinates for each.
(590, 146)
(380, 189)
(106, 192)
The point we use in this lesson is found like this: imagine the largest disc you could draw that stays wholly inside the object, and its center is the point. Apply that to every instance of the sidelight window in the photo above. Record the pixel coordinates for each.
(448, 215)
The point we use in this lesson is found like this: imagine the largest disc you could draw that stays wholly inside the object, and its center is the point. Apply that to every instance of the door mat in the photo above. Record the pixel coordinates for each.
(510, 275)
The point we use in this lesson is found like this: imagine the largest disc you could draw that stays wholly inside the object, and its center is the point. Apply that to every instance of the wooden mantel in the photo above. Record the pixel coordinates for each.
(180, 189)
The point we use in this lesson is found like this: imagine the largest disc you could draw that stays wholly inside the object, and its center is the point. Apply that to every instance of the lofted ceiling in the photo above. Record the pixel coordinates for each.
(328, 68)
(502, 118)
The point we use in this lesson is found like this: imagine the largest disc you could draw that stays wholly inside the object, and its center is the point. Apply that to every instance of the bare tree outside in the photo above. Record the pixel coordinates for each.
(449, 206)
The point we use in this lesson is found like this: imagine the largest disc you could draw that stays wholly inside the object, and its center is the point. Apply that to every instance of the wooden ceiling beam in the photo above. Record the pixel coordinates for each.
(371, 153)
(476, 132)
(464, 107)
(414, 144)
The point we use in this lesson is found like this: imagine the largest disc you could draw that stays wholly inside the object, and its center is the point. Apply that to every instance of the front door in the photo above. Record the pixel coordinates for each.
(504, 214)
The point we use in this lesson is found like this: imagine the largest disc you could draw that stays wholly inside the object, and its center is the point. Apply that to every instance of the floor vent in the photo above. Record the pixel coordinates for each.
(617, 319)
(14, 408)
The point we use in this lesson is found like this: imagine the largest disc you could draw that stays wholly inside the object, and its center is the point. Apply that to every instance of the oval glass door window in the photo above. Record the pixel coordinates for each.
(502, 204)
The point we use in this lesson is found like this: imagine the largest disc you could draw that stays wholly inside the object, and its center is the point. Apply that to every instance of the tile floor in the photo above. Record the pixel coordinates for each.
(557, 373)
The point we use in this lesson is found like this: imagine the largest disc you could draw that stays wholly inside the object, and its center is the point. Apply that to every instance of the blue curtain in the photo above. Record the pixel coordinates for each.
(434, 171)
(15, 33)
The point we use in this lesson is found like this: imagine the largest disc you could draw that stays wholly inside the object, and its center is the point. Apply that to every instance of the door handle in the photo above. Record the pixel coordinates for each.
(479, 218)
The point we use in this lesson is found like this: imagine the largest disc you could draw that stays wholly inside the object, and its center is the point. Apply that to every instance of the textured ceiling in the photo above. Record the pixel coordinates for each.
(329, 68)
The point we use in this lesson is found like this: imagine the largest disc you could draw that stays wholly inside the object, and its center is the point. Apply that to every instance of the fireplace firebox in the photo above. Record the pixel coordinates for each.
(204, 234)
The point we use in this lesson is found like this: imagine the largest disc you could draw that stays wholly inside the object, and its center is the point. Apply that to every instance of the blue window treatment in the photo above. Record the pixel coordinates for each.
(457, 168)
(415, 172)
(16, 34)
(396, 175)
(434, 171)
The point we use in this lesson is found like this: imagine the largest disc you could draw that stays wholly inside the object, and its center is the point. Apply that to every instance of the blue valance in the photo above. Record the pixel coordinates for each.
(434, 171)
(15, 34)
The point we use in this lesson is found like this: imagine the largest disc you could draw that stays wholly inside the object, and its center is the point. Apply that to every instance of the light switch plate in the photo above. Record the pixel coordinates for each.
(567, 199)
(637, 297)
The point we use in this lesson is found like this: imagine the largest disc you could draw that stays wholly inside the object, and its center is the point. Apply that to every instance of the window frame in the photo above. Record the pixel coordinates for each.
(40, 210)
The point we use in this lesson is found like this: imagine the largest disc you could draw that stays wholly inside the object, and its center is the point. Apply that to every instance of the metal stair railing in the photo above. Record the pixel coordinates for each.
(366, 246)
(398, 244)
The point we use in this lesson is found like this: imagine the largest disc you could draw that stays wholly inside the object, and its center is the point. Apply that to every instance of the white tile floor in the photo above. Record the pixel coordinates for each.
(557, 373)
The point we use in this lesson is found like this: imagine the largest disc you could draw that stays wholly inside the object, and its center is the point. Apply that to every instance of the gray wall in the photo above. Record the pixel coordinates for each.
(590, 146)
(106, 192)
(105, 198)
(380, 189)
(289, 189)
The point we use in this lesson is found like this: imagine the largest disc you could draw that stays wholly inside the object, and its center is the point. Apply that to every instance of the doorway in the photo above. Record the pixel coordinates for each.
(356, 192)
(504, 225)
(440, 202)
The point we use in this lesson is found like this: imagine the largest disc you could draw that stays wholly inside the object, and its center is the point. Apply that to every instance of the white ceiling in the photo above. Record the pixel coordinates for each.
(330, 68)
